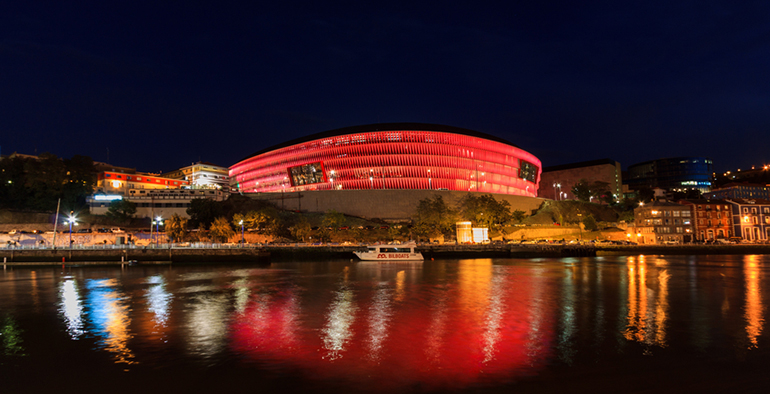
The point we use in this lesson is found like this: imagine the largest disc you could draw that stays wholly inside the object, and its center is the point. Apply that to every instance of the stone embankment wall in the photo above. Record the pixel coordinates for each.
(65, 255)
(395, 205)
(559, 232)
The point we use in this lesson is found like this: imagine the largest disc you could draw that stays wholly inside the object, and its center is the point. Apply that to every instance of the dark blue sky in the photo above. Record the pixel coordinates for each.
(161, 86)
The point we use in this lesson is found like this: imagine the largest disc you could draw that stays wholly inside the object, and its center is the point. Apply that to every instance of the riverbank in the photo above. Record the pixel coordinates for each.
(263, 254)
(115, 255)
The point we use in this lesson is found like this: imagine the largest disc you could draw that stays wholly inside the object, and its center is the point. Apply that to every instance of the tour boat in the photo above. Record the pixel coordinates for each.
(390, 253)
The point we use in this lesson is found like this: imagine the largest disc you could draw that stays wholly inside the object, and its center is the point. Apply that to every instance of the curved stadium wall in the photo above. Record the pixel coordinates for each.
(391, 156)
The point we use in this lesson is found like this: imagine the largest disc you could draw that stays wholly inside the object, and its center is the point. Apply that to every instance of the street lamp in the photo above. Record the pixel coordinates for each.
(158, 222)
(580, 227)
(71, 221)
(242, 239)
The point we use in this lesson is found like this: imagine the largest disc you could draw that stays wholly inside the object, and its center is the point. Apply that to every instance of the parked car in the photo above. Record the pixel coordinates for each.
(117, 230)
(84, 230)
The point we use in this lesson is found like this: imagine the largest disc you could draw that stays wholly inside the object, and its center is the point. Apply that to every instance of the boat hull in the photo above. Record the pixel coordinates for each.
(369, 256)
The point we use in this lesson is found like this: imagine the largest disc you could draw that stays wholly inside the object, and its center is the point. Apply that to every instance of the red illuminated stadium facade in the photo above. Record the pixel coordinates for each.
(391, 156)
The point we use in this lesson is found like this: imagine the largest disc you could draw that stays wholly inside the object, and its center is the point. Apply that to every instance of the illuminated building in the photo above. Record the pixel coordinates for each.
(672, 174)
(395, 156)
(153, 203)
(751, 219)
(202, 175)
(740, 190)
(111, 182)
(712, 219)
(662, 222)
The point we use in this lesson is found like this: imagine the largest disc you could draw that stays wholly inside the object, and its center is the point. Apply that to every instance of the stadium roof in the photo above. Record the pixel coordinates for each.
(381, 127)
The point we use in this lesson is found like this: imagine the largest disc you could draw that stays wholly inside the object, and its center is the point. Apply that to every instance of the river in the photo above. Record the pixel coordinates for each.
(598, 324)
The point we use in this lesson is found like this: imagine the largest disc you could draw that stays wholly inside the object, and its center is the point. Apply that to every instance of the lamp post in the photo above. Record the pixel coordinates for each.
(158, 222)
(580, 225)
(71, 221)
(242, 236)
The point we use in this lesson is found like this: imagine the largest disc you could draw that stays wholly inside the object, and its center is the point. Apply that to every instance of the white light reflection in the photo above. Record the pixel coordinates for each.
(158, 299)
(71, 308)
(566, 342)
(437, 328)
(494, 314)
(341, 317)
(379, 321)
(535, 336)
(207, 324)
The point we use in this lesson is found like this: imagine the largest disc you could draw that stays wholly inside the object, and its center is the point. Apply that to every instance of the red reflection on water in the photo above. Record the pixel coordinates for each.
(485, 328)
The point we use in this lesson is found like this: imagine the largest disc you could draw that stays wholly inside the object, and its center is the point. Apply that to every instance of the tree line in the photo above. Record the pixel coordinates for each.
(36, 184)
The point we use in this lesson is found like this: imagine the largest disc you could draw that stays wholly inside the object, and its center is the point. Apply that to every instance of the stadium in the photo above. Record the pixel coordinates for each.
(391, 156)
(382, 170)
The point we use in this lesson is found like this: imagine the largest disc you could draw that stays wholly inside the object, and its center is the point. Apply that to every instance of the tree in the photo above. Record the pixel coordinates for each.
(79, 180)
(333, 219)
(601, 191)
(176, 228)
(485, 211)
(590, 223)
(220, 230)
(518, 215)
(203, 211)
(433, 218)
(121, 210)
(301, 229)
(582, 190)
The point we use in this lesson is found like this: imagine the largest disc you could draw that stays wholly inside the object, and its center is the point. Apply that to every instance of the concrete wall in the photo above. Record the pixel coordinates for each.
(569, 177)
(392, 205)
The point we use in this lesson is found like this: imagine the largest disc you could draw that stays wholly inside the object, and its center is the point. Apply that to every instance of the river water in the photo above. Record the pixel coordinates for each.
(600, 324)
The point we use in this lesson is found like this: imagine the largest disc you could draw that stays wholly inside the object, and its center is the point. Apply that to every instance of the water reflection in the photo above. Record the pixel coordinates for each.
(159, 302)
(647, 308)
(435, 326)
(494, 316)
(206, 323)
(754, 310)
(11, 336)
(379, 319)
(108, 311)
(340, 318)
(71, 307)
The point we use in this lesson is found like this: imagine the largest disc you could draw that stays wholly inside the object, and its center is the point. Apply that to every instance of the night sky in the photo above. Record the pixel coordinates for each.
(160, 85)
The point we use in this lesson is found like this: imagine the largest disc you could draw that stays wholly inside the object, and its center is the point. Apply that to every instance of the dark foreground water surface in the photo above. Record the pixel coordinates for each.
(603, 324)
